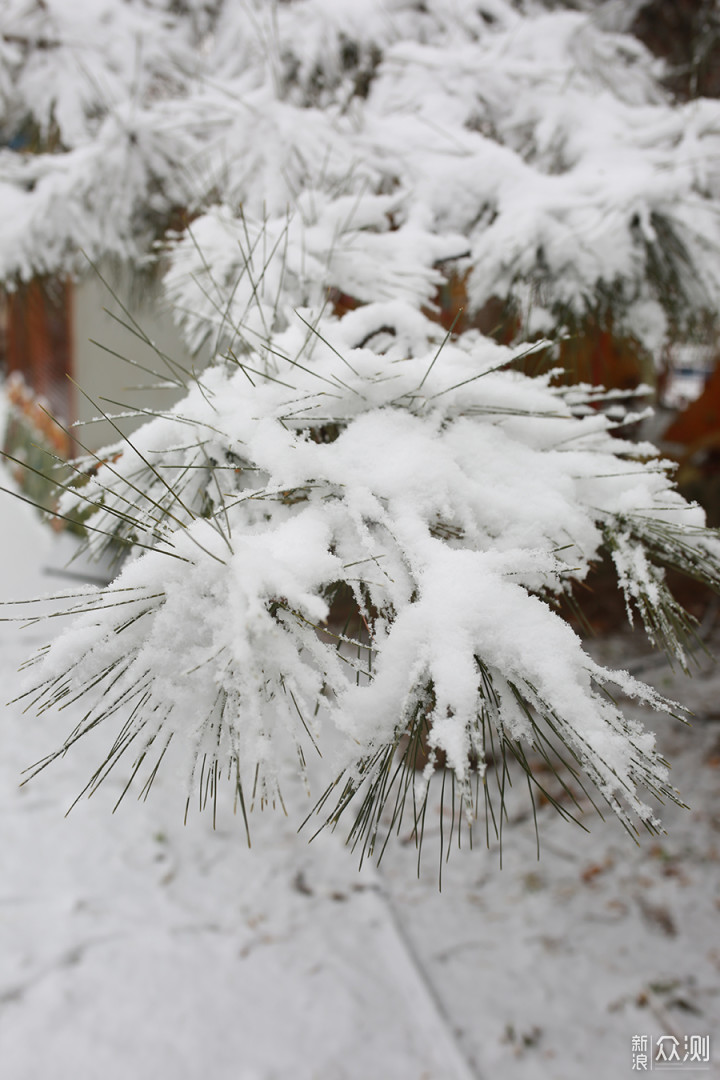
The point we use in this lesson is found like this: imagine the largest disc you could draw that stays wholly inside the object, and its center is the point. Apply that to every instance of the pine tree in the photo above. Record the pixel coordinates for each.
(358, 524)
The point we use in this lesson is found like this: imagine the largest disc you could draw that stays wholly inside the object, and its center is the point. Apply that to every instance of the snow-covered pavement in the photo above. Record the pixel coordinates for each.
(132, 945)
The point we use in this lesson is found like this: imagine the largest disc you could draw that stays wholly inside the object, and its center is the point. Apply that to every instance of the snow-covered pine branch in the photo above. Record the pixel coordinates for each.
(527, 150)
(427, 491)
(436, 497)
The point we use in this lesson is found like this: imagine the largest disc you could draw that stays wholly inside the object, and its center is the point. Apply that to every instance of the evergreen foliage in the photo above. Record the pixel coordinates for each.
(354, 529)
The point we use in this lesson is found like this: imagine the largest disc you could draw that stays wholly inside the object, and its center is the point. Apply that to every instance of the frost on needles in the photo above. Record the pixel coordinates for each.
(358, 549)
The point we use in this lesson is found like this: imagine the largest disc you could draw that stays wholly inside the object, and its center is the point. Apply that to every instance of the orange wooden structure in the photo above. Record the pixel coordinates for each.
(38, 352)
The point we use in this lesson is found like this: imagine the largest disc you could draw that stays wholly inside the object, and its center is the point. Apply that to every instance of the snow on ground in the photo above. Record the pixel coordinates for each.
(134, 946)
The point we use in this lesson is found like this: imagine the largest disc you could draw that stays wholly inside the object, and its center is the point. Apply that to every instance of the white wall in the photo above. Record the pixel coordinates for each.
(102, 375)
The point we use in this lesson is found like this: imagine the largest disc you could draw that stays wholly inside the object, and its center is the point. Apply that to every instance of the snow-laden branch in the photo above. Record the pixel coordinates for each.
(368, 138)
(332, 540)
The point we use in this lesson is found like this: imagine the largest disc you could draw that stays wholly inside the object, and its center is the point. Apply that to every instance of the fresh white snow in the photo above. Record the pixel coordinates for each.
(326, 147)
